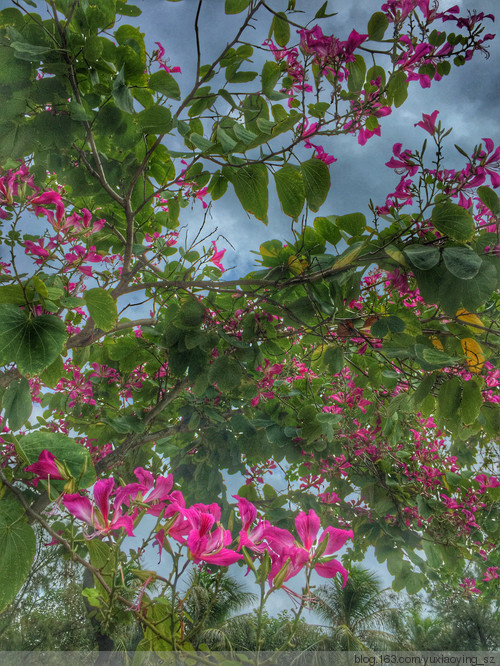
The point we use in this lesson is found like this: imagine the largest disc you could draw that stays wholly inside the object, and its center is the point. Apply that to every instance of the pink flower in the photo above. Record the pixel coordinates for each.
(205, 545)
(486, 482)
(97, 514)
(216, 257)
(151, 491)
(253, 539)
(428, 123)
(469, 585)
(490, 574)
(46, 467)
(285, 550)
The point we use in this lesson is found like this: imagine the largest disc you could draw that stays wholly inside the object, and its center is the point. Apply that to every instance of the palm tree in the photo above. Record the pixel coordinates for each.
(211, 602)
(421, 632)
(360, 615)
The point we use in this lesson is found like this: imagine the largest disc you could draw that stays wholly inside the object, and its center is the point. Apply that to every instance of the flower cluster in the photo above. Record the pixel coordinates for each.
(198, 527)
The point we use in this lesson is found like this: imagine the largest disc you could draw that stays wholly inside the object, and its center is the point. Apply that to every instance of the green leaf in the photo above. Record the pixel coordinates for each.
(225, 372)
(17, 552)
(397, 90)
(271, 73)
(333, 359)
(76, 456)
(453, 221)
(462, 262)
(357, 73)
(472, 401)
(435, 357)
(244, 135)
(102, 308)
(281, 29)
(26, 51)
(377, 25)
(33, 343)
(78, 112)
(127, 10)
(250, 184)
(353, 223)
(432, 554)
(316, 182)
(423, 257)
(121, 94)
(490, 199)
(226, 141)
(395, 324)
(236, 6)
(53, 373)
(477, 291)
(14, 294)
(449, 397)
(17, 403)
(290, 189)
(200, 142)
(423, 389)
(414, 583)
(380, 328)
(327, 229)
(165, 84)
(155, 120)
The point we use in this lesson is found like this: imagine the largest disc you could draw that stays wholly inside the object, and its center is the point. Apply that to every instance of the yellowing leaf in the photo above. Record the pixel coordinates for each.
(296, 265)
(270, 249)
(468, 318)
(474, 354)
(437, 343)
(318, 352)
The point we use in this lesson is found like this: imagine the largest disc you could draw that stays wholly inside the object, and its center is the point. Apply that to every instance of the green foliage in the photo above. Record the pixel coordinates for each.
(17, 403)
(18, 549)
(33, 343)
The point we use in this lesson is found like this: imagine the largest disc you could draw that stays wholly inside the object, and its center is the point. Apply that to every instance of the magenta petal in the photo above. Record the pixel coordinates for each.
(144, 477)
(331, 569)
(278, 538)
(223, 558)
(80, 507)
(307, 526)
(163, 487)
(248, 512)
(125, 522)
(126, 493)
(102, 491)
(45, 466)
(336, 539)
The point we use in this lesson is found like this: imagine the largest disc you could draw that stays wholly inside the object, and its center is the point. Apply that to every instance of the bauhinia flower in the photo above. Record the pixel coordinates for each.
(206, 545)
(216, 257)
(490, 574)
(48, 467)
(151, 491)
(99, 514)
(428, 123)
(317, 554)
(253, 538)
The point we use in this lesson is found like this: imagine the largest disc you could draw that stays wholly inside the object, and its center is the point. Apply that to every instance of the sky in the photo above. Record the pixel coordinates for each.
(468, 100)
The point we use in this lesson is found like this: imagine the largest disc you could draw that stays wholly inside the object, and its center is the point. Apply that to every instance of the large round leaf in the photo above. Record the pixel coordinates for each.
(454, 221)
(423, 257)
(33, 343)
(462, 262)
(17, 551)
